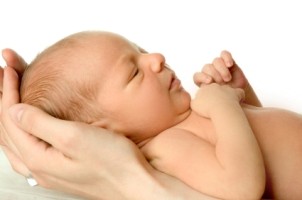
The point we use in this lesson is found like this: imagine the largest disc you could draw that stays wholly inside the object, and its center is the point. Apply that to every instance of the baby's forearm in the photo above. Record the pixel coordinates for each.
(236, 146)
(235, 136)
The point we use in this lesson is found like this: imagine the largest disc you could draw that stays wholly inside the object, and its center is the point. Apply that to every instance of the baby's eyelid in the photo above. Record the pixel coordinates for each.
(136, 72)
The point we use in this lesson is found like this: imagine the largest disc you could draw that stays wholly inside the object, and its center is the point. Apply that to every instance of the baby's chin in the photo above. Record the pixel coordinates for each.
(185, 114)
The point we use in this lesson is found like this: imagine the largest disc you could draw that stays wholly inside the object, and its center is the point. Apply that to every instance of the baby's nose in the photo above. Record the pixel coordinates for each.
(157, 62)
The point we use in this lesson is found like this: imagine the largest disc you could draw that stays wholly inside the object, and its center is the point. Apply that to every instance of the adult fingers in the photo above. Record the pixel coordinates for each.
(6, 141)
(16, 163)
(20, 142)
(10, 88)
(58, 133)
(1, 78)
(38, 155)
(43, 178)
(1, 86)
(14, 60)
(10, 96)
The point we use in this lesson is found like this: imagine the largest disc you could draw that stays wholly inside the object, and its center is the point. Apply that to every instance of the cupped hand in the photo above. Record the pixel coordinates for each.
(15, 61)
(74, 155)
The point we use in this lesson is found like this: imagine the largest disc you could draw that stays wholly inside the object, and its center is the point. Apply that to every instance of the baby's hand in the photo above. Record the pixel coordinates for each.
(223, 70)
(213, 97)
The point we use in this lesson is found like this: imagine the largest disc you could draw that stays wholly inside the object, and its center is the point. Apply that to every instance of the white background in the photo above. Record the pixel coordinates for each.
(265, 37)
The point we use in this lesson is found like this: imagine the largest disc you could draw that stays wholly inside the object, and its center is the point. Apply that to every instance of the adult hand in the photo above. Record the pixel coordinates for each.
(76, 158)
(13, 60)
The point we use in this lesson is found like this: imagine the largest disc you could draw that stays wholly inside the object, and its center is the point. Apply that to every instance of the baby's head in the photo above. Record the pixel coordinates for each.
(104, 79)
(53, 81)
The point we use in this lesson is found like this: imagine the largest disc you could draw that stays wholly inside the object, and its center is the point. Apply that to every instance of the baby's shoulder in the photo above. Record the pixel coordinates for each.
(171, 143)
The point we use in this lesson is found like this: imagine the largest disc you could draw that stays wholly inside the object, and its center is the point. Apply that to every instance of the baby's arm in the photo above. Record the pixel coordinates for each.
(224, 70)
(236, 148)
(232, 167)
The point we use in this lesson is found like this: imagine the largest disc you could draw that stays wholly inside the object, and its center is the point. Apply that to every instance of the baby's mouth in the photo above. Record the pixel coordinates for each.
(174, 83)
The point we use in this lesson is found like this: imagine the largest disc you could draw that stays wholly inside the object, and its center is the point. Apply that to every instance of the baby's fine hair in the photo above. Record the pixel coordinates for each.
(50, 86)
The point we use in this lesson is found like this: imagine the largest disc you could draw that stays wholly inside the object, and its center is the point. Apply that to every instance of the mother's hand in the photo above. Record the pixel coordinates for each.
(16, 62)
(95, 162)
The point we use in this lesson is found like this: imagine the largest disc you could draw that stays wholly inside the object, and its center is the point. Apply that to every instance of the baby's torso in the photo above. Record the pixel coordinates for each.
(279, 134)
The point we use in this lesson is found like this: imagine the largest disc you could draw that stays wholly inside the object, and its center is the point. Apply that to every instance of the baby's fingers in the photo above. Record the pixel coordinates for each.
(227, 58)
(202, 78)
(222, 69)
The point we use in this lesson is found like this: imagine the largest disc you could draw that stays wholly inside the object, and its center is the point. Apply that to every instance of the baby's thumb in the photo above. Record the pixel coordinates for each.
(240, 94)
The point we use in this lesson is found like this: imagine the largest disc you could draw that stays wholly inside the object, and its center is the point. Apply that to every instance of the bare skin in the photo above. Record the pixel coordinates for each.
(280, 152)
(280, 145)
(278, 131)
(99, 175)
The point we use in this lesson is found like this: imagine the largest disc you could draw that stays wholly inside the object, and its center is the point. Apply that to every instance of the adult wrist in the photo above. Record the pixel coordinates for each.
(170, 188)
(146, 183)
(143, 182)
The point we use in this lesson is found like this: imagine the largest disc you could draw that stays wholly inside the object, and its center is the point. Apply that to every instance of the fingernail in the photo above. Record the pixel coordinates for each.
(229, 63)
(228, 78)
(16, 112)
(208, 79)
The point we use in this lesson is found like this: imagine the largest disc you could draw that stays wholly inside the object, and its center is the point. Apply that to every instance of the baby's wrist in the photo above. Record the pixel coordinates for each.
(223, 106)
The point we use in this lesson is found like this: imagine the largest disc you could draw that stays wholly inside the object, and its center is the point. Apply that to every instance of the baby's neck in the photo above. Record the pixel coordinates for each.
(180, 119)
(193, 123)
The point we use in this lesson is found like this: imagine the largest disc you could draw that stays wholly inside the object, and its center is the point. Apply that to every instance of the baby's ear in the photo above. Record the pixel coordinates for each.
(102, 123)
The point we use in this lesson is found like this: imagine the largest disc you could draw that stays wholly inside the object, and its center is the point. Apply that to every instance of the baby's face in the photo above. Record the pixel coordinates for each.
(137, 92)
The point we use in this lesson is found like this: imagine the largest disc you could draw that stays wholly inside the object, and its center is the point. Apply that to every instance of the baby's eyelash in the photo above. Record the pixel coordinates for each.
(136, 72)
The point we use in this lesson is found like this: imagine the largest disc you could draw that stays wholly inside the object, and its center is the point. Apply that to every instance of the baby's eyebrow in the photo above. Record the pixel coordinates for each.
(142, 50)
